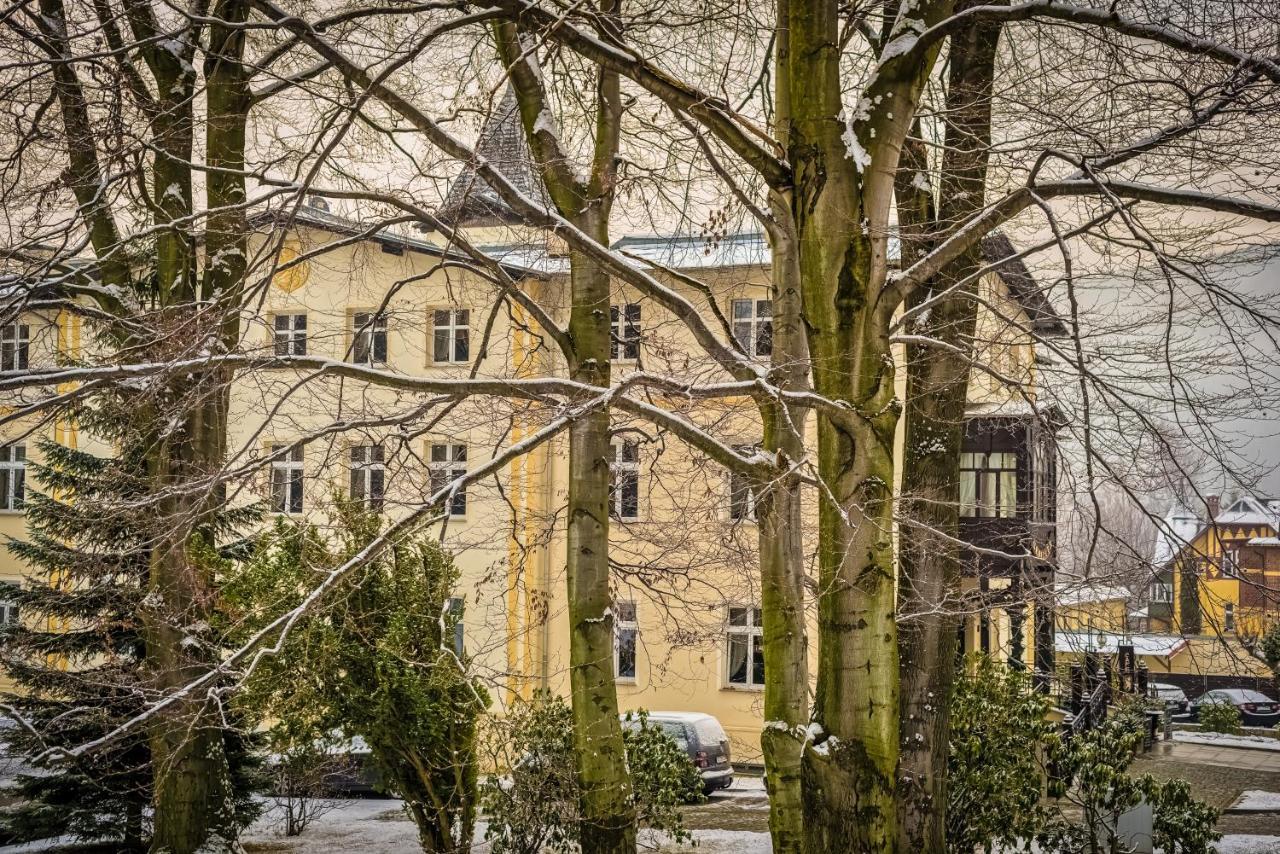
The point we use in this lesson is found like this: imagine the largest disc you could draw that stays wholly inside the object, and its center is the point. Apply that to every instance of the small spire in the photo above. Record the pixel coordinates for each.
(471, 201)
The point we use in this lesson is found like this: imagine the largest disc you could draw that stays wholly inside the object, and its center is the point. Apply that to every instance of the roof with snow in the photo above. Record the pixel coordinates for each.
(502, 144)
(1089, 593)
(1174, 533)
(472, 201)
(1108, 643)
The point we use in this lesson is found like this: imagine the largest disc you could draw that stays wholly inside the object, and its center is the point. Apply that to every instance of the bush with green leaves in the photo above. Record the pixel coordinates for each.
(533, 807)
(374, 659)
(1096, 761)
(1000, 734)
(1219, 717)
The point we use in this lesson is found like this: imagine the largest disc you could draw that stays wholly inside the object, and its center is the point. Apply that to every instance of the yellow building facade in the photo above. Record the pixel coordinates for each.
(683, 543)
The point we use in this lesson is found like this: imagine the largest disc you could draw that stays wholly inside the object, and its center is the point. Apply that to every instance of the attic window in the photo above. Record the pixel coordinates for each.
(393, 248)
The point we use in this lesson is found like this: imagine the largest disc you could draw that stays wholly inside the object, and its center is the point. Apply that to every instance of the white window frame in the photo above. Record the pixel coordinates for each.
(15, 347)
(288, 473)
(1162, 592)
(624, 479)
(625, 624)
(624, 332)
(290, 339)
(13, 462)
(982, 473)
(1229, 617)
(9, 612)
(752, 327)
(455, 329)
(368, 475)
(366, 335)
(1231, 562)
(445, 467)
(749, 631)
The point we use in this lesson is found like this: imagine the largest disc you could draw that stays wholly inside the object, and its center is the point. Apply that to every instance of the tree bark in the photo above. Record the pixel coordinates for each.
(193, 794)
(780, 521)
(937, 395)
(607, 823)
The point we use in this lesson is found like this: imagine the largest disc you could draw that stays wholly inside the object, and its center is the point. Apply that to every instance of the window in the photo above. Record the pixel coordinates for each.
(291, 334)
(8, 613)
(742, 501)
(1229, 617)
(1231, 562)
(624, 482)
(989, 485)
(453, 622)
(15, 346)
(624, 331)
(368, 475)
(447, 464)
(745, 647)
(286, 479)
(13, 476)
(368, 338)
(625, 632)
(753, 325)
(452, 336)
(1162, 591)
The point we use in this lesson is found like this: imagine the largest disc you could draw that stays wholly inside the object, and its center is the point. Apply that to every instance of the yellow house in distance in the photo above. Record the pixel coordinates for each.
(686, 586)
(1222, 576)
(1216, 587)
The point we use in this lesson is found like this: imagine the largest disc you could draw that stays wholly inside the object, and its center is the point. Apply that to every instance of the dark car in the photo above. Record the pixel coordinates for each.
(702, 737)
(1173, 697)
(1256, 708)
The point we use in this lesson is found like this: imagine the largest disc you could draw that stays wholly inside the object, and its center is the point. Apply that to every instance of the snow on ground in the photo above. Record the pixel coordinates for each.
(379, 826)
(1244, 843)
(1220, 739)
(1255, 800)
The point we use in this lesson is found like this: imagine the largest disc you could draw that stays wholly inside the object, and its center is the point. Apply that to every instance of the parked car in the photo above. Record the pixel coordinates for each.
(1173, 697)
(700, 736)
(1256, 708)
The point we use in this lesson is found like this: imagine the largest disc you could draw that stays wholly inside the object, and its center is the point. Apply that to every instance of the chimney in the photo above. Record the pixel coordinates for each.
(1214, 503)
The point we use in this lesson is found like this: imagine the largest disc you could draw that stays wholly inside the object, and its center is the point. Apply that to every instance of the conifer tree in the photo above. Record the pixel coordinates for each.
(77, 656)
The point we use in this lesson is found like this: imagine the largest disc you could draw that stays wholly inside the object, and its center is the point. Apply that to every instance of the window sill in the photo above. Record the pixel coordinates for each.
(749, 689)
(625, 680)
(13, 511)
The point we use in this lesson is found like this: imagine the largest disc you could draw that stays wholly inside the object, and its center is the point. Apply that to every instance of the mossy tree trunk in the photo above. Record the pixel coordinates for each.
(607, 815)
(780, 521)
(937, 394)
(194, 806)
(843, 175)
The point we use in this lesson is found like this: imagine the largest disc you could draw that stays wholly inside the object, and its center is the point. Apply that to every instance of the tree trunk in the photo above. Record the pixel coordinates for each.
(937, 394)
(849, 767)
(780, 522)
(607, 816)
(193, 794)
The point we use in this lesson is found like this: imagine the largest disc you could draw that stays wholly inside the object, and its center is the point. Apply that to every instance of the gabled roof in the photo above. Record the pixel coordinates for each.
(1045, 320)
(471, 200)
(1175, 532)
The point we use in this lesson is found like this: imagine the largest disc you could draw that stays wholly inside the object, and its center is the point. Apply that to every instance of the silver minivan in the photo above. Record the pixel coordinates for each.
(700, 736)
